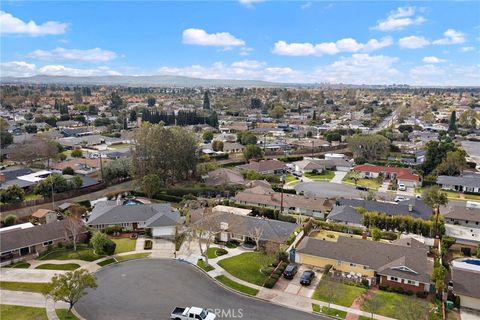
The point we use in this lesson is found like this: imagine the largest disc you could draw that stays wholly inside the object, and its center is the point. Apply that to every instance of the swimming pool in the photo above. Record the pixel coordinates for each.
(472, 261)
(131, 202)
(467, 263)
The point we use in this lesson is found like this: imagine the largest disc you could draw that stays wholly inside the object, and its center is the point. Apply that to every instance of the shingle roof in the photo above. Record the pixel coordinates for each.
(224, 176)
(382, 257)
(463, 213)
(419, 208)
(470, 181)
(466, 282)
(264, 165)
(345, 214)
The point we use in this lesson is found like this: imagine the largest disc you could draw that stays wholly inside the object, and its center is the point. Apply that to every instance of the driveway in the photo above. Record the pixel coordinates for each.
(339, 175)
(294, 287)
(151, 288)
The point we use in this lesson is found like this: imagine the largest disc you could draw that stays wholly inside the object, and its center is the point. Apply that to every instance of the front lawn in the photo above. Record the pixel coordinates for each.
(246, 266)
(329, 311)
(19, 265)
(370, 183)
(290, 178)
(237, 286)
(132, 256)
(10, 312)
(32, 196)
(212, 253)
(326, 175)
(106, 262)
(83, 253)
(202, 265)
(124, 244)
(25, 286)
(62, 266)
(336, 292)
(64, 314)
(395, 305)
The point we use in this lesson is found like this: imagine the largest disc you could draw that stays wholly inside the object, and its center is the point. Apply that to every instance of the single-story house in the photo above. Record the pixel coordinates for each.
(267, 198)
(403, 175)
(18, 241)
(265, 166)
(466, 285)
(161, 218)
(463, 216)
(242, 228)
(224, 176)
(45, 216)
(470, 183)
(308, 166)
(397, 265)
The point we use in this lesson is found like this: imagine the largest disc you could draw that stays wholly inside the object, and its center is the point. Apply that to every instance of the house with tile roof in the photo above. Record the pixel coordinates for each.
(402, 175)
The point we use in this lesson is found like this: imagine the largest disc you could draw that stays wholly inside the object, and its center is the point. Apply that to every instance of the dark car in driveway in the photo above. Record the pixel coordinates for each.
(290, 271)
(307, 277)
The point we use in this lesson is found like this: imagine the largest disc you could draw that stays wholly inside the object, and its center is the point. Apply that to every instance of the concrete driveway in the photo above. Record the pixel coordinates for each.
(294, 287)
(151, 288)
(339, 175)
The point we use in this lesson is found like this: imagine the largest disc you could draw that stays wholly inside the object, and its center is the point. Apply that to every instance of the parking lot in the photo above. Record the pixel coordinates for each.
(294, 287)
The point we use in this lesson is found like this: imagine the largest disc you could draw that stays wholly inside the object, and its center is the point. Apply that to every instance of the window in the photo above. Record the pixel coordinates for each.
(393, 279)
(47, 243)
(353, 265)
(366, 267)
(414, 283)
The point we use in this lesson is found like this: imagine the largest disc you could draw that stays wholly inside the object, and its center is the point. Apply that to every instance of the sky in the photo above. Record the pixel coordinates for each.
(352, 42)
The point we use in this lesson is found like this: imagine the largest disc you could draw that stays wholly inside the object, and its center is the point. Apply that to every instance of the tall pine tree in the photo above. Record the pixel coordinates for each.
(452, 126)
(206, 101)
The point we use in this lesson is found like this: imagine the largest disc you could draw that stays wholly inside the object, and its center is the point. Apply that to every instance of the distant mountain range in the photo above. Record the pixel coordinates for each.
(143, 81)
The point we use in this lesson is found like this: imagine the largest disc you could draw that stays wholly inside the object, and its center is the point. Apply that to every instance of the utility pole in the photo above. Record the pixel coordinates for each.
(282, 179)
(53, 197)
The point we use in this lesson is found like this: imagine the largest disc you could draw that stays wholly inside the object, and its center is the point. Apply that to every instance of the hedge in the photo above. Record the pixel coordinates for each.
(291, 158)
(290, 191)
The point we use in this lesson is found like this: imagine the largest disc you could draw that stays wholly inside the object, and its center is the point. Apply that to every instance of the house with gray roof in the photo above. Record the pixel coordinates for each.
(467, 183)
(397, 265)
(161, 218)
(466, 285)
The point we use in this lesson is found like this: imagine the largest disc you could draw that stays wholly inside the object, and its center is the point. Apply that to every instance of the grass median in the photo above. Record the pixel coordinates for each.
(25, 286)
(61, 266)
(237, 286)
(11, 312)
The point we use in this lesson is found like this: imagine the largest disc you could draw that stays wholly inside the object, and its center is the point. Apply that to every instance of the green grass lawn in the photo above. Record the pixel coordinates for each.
(24, 286)
(389, 304)
(202, 265)
(124, 244)
(212, 253)
(82, 253)
(337, 292)
(62, 266)
(106, 262)
(132, 256)
(63, 314)
(370, 183)
(329, 311)
(290, 178)
(326, 175)
(9, 312)
(246, 266)
(472, 197)
(237, 286)
(119, 145)
(19, 265)
(32, 196)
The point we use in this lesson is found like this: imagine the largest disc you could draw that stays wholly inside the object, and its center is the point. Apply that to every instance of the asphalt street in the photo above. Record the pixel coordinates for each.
(151, 288)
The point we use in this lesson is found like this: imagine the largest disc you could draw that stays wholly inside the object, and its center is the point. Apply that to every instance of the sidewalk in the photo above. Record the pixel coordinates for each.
(31, 299)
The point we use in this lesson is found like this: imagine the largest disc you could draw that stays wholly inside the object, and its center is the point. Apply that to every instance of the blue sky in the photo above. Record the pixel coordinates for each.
(419, 43)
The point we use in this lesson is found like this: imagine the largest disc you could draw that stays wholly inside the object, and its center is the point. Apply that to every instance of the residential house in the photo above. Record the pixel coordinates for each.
(21, 241)
(466, 285)
(397, 265)
(267, 167)
(161, 218)
(267, 198)
(45, 216)
(463, 224)
(308, 166)
(469, 183)
(223, 177)
(402, 175)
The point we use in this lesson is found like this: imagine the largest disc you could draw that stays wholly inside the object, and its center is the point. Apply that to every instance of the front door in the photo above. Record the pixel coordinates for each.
(135, 225)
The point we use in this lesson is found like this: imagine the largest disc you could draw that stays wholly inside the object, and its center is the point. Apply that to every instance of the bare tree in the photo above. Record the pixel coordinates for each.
(256, 233)
(205, 231)
(74, 225)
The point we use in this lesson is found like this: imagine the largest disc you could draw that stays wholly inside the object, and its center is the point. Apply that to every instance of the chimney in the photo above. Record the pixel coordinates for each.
(410, 207)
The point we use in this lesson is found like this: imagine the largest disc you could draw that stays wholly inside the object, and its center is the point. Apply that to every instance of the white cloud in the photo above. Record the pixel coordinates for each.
(248, 64)
(10, 24)
(245, 51)
(399, 19)
(467, 49)
(343, 45)
(451, 36)
(360, 68)
(25, 69)
(202, 38)
(17, 69)
(92, 55)
(413, 42)
(451, 75)
(306, 5)
(432, 59)
(249, 3)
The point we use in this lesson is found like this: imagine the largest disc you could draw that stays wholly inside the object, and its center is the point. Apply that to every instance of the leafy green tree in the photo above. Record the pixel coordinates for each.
(12, 194)
(98, 241)
(208, 135)
(452, 125)
(478, 251)
(116, 102)
(369, 146)
(468, 119)
(56, 182)
(436, 152)
(217, 145)
(92, 110)
(9, 220)
(453, 164)
(6, 137)
(151, 101)
(31, 128)
(116, 169)
(333, 136)
(150, 184)
(77, 153)
(206, 100)
(277, 111)
(246, 137)
(435, 197)
(252, 151)
(69, 171)
(71, 286)
(376, 234)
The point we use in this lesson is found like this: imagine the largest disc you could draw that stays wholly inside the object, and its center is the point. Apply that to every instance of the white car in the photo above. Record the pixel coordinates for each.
(400, 198)
(180, 313)
(402, 187)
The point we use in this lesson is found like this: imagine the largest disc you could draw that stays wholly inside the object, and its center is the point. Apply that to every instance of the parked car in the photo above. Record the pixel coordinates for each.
(402, 187)
(362, 188)
(180, 313)
(401, 198)
(290, 271)
(307, 277)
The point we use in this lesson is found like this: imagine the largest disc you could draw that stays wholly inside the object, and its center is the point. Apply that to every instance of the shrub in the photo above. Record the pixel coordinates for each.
(283, 256)
(421, 294)
(9, 220)
(275, 263)
(148, 245)
(270, 283)
(383, 287)
(77, 153)
(327, 268)
(68, 170)
(109, 247)
(287, 218)
(112, 229)
(400, 290)
(409, 293)
(221, 252)
(268, 270)
(232, 244)
(365, 283)
(457, 302)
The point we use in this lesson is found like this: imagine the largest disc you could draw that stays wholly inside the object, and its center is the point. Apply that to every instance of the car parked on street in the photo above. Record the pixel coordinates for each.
(290, 271)
(307, 277)
(180, 313)
(362, 188)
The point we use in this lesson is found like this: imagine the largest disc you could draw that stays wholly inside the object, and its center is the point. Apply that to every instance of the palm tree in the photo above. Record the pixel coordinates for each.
(435, 197)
